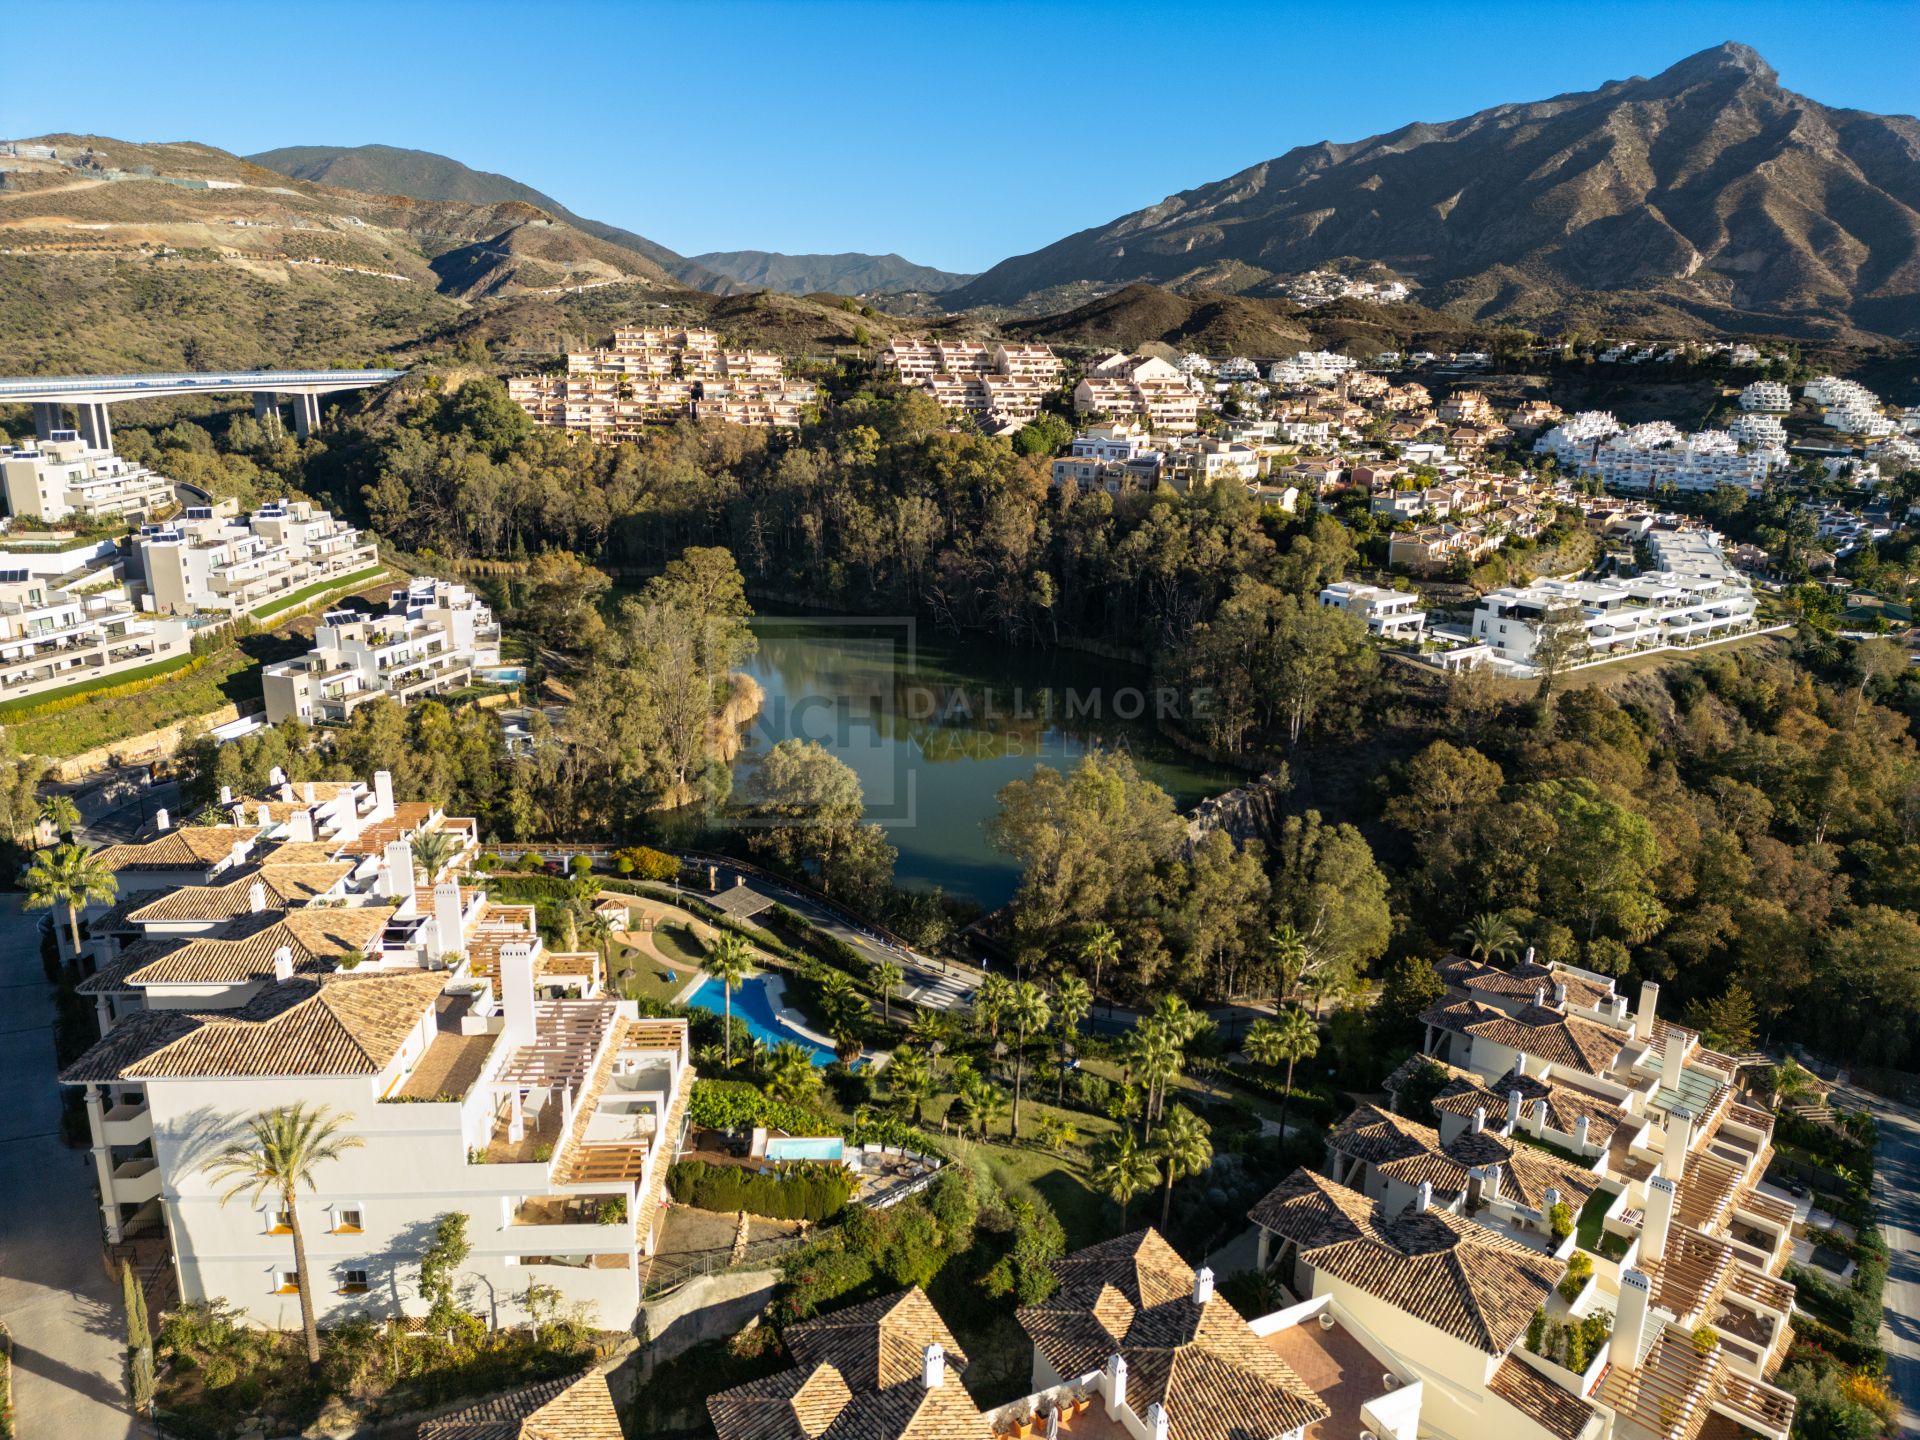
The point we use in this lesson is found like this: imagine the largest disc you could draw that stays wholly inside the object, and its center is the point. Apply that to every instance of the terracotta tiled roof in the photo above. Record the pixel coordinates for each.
(284, 885)
(1564, 1040)
(1522, 981)
(876, 1344)
(1559, 1412)
(1411, 1153)
(244, 949)
(299, 852)
(188, 848)
(1452, 1274)
(554, 1410)
(1565, 1105)
(1201, 1362)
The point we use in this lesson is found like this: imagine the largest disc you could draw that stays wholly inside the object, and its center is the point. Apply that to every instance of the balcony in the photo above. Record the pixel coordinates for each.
(129, 1123)
(136, 1181)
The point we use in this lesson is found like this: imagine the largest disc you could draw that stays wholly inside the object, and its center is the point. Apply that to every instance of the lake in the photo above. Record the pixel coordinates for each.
(934, 727)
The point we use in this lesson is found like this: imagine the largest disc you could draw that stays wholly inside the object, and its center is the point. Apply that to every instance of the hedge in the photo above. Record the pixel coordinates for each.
(107, 687)
(736, 1104)
(794, 1190)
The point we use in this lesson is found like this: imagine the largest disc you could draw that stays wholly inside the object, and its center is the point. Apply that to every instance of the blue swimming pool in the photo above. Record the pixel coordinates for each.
(502, 674)
(753, 1003)
(810, 1147)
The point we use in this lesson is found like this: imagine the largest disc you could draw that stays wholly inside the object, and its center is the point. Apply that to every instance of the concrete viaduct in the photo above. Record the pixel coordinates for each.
(90, 396)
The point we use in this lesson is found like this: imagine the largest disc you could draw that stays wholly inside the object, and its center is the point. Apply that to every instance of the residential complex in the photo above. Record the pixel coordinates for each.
(297, 954)
(655, 377)
(1658, 455)
(65, 478)
(73, 629)
(1128, 387)
(1391, 614)
(214, 560)
(429, 640)
(1002, 385)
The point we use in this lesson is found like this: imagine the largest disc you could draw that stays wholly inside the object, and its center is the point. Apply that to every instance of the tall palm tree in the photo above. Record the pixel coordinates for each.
(1123, 1171)
(729, 960)
(284, 1147)
(59, 814)
(1489, 936)
(991, 1104)
(432, 849)
(1028, 1013)
(1181, 1020)
(1155, 1055)
(1072, 1000)
(990, 1003)
(909, 1079)
(1288, 947)
(69, 875)
(1185, 1149)
(597, 930)
(886, 977)
(844, 1006)
(1293, 1039)
(930, 1030)
(1100, 948)
(791, 1073)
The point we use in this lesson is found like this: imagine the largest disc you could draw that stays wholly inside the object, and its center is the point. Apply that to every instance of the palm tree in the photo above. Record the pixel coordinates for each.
(1289, 951)
(285, 1146)
(909, 1079)
(1185, 1149)
(59, 814)
(990, 1003)
(930, 1029)
(791, 1073)
(1057, 1132)
(1027, 1012)
(990, 1104)
(1179, 1018)
(844, 1006)
(1072, 1000)
(432, 849)
(1293, 1039)
(1155, 1053)
(1100, 948)
(1123, 1171)
(69, 875)
(597, 930)
(1489, 936)
(729, 960)
(886, 977)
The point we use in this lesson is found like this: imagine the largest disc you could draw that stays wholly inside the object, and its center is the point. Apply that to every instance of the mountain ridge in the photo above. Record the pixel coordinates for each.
(851, 272)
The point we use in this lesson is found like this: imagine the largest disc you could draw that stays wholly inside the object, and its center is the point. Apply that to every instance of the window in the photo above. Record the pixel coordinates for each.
(282, 1220)
(349, 1217)
(289, 1282)
(353, 1280)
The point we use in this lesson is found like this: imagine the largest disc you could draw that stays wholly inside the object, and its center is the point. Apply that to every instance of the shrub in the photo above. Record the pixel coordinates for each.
(1579, 1271)
(1560, 1220)
(795, 1190)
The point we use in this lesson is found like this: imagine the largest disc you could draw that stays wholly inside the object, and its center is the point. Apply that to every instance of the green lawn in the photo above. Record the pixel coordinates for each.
(642, 976)
(158, 668)
(677, 941)
(342, 583)
(1592, 1219)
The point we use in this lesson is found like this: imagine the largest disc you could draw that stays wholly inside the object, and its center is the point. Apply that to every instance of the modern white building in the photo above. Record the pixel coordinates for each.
(1391, 614)
(214, 560)
(483, 1074)
(432, 636)
(1758, 429)
(1767, 396)
(1310, 367)
(78, 629)
(65, 477)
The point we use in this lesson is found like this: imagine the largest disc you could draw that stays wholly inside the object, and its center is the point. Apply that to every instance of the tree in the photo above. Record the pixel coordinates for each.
(910, 1079)
(1185, 1148)
(843, 1006)
(69, 875)
(1028, 1012)
(1099, 948)
(1600, 869)
(1328, 888)
(791, 1074)
(285, 1146)
(1728, 1021)
(140, 1378)
(990, 999)
(1875, 657)
(1056, 1132)
(1293, 1039)
(1409, 987)
(1153, 1051)
(1124, 1170)
(597, 930)
(432, 849)
(729, 960)
(562, 602)
(440, 1266)
(705, 584)
(1072, 1000)
(59, 814)
(1489, 936)
(804, 806)
(886, 979)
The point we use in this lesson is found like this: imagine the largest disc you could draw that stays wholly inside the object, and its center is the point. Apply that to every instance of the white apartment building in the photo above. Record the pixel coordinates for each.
(1573, 441)
(1767, 395)
(1119, 459)
(1695, 595)
(213, 560)
(1310, 367)
(64, 477)
(1127, 387)
(1758, 429)
(84, 627)
(1656, 455)
(484, 1075)
(1004, 385)
(428, 642)
(1391, 614)
(1851, 407)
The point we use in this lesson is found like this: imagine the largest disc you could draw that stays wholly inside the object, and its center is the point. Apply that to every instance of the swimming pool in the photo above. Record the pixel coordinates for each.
(753, 1003)
(810, 1147)
(502, 674)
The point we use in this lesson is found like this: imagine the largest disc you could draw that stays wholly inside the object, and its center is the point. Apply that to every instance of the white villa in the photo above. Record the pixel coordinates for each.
(1392, 614)
(66, 476)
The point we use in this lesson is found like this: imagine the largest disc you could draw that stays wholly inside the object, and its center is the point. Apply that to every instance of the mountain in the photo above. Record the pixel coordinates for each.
(849, 274)
(1708, 196)
(389, 170)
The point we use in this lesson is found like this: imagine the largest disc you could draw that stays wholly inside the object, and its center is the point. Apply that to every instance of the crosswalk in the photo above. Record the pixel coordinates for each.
(933, 991)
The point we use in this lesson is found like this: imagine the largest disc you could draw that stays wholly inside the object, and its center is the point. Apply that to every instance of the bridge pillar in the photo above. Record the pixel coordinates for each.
(47, 418)
(306, 414)
(95, 426)
(266, 409)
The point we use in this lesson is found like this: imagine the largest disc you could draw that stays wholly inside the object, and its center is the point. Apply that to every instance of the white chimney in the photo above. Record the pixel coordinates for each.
(1678, 1133)
(1423, 1197)
(516, 990)
(1490, 1189)
(1619, 1004)
(446, 917)
(1529, 959)
(283, 963)
(306, 792)
(1538, 1121)
(933, 1366)
(1202, 1285)
(1513, 1111)
(1649, 1007)
(226, 794)
(276, 777)
(1673, 1062)
(382, 794)
(256, 897)
(237, 856)
(161, 820)
(286, 791)
(1116, 1385)
(1540, 995)
(1560, 993)
(1581, 1128)
(397, 876)
(1157, 1422)
(1630, 1320)
(264, 815)
(1653, 1229)
(300, 828)
(1479, 1118)
(1520, 1062)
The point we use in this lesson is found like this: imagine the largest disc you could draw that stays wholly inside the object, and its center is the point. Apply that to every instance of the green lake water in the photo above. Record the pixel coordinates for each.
(934, 728)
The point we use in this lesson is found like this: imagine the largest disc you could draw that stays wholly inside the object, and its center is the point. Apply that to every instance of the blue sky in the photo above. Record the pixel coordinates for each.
(953, 133)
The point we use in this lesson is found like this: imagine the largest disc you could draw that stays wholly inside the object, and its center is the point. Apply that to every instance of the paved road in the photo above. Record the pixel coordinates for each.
(1896, 1193)
(54, 1294)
